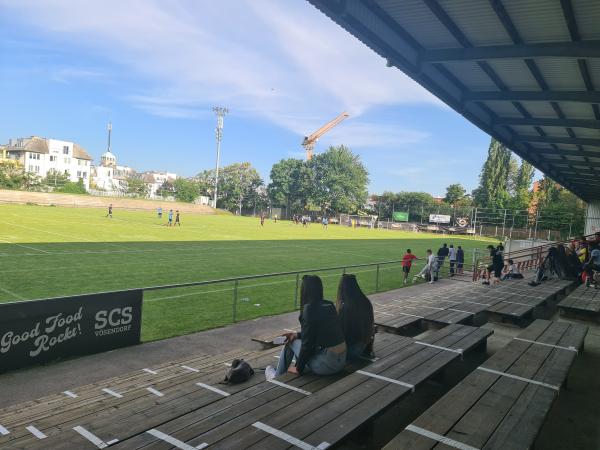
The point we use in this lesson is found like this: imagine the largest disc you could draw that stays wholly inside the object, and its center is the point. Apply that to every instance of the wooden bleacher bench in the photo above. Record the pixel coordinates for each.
(583, 303)
(190, 415)
(405, 310)
(501, 405)
(138, 408)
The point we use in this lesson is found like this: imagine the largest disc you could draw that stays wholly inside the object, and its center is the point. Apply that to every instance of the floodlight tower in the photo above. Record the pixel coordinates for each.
(220, 112)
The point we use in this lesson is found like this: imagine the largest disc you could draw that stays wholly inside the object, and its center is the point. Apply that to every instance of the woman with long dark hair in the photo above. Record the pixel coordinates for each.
(320, 344)
(356, 317)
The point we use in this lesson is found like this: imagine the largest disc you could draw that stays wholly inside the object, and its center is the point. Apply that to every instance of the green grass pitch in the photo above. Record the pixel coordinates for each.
(50, 252)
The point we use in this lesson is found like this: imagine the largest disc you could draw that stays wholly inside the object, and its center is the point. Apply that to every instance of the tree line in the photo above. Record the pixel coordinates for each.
(332, 181)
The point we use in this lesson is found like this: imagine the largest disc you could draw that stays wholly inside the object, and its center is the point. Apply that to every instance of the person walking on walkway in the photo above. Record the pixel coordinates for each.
(452, 259)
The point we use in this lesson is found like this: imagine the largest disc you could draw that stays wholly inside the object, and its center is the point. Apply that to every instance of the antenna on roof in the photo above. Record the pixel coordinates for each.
(109, 131)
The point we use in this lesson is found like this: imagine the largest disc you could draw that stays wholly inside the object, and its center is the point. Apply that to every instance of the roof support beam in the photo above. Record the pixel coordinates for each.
(559, 140)
(536, 96)
(562, 152)
(581, 49)
(543, 122)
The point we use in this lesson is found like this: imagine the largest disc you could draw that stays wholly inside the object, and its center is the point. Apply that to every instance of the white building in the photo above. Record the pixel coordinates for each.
(155, 180)
(42, 156)
(109, 176)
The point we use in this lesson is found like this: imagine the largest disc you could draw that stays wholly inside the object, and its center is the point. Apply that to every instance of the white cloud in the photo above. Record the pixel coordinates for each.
(282, 61)
(358, 134)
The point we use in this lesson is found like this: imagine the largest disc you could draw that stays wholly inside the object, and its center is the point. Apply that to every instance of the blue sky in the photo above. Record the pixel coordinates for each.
(155, 68)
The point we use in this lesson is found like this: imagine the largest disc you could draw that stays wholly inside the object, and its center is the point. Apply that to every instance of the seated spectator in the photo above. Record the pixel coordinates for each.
(320, 345)
(356, 317)
(513, 271)
(582, 250)
(592, 265)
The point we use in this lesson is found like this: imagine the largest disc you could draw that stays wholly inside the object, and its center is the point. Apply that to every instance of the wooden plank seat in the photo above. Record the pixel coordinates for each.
(582, 303)
(503, 403)
(266, 339)
(139, 411)
(50, 414)
(326, 415)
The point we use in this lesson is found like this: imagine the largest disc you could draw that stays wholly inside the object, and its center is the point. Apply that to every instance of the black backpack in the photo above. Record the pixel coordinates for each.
(240, 371)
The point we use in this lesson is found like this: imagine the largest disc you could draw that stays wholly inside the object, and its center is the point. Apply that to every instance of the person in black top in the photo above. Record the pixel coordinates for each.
(442, 254)
(320, 345)
(356, 317)
(460, 259)
(497, 264)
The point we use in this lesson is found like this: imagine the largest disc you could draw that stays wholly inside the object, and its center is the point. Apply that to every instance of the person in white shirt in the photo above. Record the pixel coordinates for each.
(429, 269)
(513, 271)
(452, 259)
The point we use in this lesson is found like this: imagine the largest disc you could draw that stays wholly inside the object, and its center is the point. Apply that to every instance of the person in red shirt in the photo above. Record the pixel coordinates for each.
(407, 260)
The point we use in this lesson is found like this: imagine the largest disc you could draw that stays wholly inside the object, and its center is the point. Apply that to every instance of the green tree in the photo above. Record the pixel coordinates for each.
(340, 180)
(71, 187)
(55, 179)
(238, 184)
(493, 180)
(290, 185)
(137, 187)
(454, 193)
(186, 190)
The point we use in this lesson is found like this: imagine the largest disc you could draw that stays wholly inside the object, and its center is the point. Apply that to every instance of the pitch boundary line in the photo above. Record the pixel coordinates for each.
(14, 294)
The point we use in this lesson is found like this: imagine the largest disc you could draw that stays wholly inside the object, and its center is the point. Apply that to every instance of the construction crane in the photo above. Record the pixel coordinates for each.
(309, 141)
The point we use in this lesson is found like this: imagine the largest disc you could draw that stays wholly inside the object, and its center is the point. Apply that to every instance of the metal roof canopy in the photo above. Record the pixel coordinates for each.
(524, 71)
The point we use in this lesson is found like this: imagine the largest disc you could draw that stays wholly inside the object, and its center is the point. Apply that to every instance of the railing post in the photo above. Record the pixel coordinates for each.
(235, 297)
(377, 279)
(344, 271)
(296, 292)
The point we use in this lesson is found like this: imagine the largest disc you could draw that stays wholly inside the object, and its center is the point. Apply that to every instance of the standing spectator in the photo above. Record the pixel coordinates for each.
(170, 218)
(355, 312)
(428, 270)
(460, 259)
(452, 259)
(441, 254)
(159, 211)
(304, 222)
(496, 266)
(325, 222)
(407, 260)
(592, 265)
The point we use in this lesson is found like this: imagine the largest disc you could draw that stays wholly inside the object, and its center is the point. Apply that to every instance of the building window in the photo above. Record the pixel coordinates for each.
(84, 174)
(52, 158)
(67, 160)
(65, 150)
(79, 174)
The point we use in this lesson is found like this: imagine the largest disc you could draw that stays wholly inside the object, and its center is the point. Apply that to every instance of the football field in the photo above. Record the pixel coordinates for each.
(52, 251)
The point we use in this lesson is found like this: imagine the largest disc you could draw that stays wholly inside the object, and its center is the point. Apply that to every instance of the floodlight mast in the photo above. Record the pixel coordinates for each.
(220, 112)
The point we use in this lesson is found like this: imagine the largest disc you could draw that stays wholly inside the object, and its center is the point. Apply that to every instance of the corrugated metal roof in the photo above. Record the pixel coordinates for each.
(538, 20)
(514, 74)
(561, 74)
(587, 15)
(420, 22)
(512, 67)
(477, 21)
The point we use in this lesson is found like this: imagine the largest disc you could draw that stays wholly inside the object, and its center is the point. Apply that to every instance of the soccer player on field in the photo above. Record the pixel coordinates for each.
(177, 222)
(407, 260)
(109, 211)
(170, 217)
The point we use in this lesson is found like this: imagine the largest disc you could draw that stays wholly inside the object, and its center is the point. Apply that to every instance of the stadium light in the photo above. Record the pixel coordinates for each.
(220, 112)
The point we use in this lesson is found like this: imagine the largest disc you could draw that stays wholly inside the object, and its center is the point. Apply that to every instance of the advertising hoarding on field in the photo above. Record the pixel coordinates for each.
(39, 331)
(400, 216)
(439, 218)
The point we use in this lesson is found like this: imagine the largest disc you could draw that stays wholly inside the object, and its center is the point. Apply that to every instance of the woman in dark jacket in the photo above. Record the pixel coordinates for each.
(320, 344)
(356, 317)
